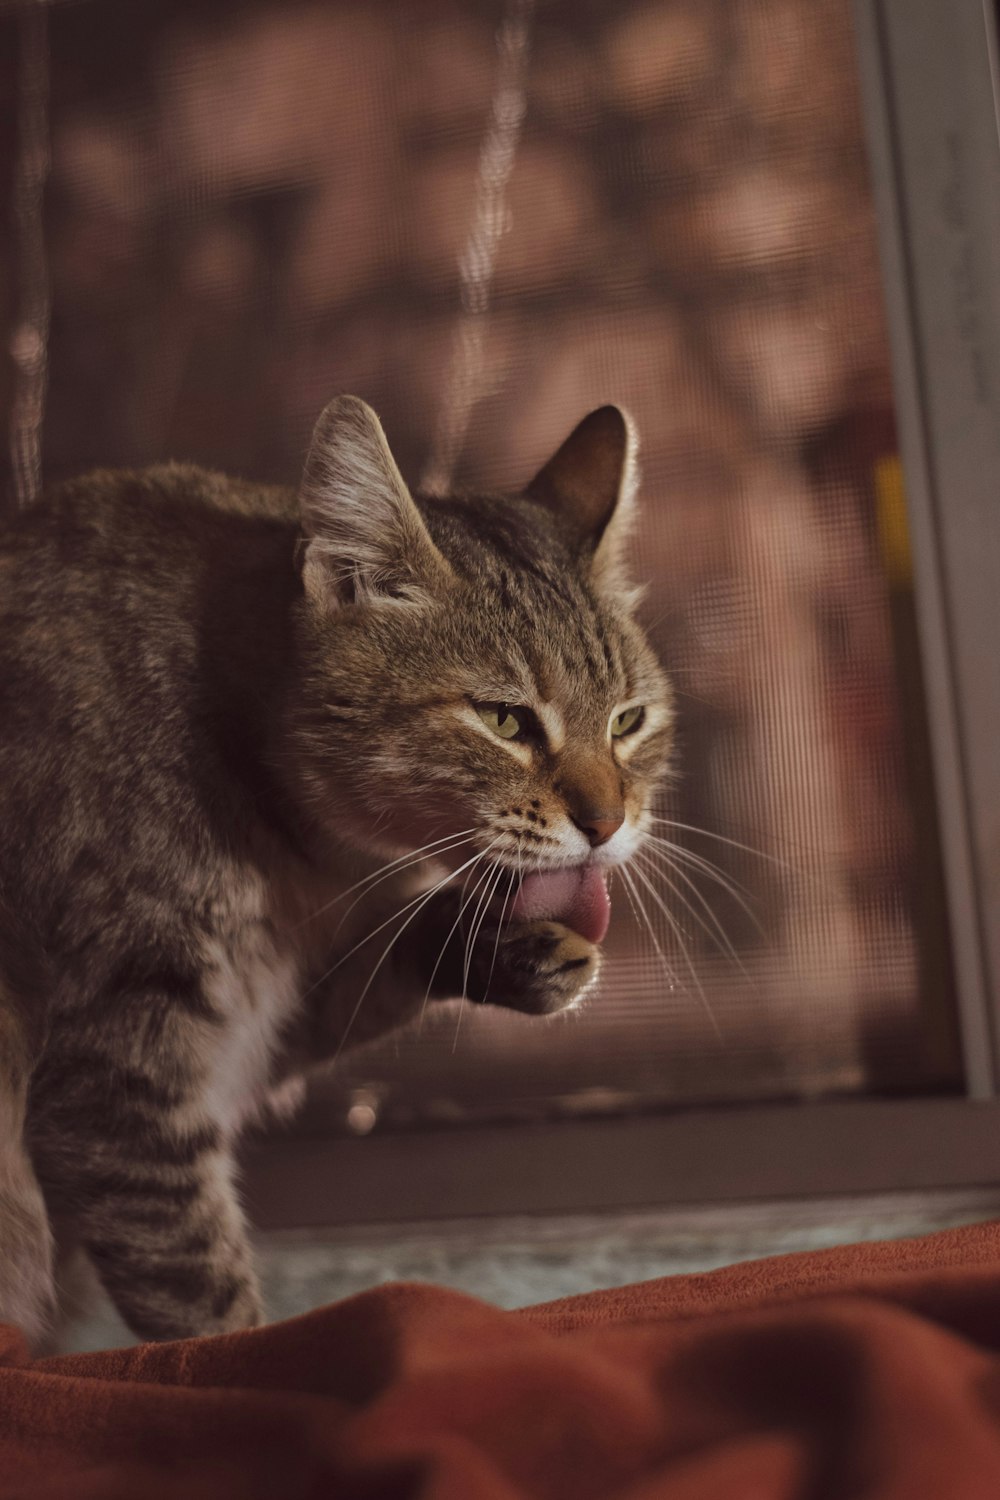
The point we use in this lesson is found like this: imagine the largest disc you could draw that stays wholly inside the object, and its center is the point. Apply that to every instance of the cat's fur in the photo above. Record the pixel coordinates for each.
(221, 706)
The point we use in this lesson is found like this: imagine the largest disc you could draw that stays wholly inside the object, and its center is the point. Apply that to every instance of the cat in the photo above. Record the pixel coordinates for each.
(266, 761)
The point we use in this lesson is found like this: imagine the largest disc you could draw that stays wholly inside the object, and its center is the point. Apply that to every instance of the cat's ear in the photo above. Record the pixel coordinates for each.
(364, 538)
(590, 484)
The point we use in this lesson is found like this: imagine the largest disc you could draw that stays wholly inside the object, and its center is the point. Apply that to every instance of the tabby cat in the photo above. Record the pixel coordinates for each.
(247, 739)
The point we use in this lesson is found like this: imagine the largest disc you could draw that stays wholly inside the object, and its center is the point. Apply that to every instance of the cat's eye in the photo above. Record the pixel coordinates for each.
(505, 721)
(627, 721)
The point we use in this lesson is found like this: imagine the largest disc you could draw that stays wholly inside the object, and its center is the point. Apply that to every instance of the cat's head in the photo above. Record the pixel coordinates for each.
(474, 671)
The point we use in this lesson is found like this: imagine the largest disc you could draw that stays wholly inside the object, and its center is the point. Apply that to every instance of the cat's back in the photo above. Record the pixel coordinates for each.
(138, 612)
(115, 520)
(134, 546)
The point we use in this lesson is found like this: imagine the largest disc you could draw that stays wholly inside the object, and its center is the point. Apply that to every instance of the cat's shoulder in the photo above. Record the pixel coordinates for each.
(119, 535)
(222, 494)
(161, 490)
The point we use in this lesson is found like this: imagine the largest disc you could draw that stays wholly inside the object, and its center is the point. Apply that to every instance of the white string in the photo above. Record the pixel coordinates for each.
(29, 340)
(463, 384)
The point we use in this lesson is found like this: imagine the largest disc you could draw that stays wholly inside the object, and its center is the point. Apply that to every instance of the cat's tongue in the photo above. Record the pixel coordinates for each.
(577, 897)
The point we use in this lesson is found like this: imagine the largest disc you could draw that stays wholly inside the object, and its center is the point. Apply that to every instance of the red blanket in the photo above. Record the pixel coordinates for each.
(872, 1370)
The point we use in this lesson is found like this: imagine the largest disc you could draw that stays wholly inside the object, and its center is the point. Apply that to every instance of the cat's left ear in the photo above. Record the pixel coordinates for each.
(365, 539)
(590, 484)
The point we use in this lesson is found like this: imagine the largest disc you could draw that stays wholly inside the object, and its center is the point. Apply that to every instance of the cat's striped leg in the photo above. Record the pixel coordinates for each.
(171, 1250)
(26, 1286)
(126, 1154)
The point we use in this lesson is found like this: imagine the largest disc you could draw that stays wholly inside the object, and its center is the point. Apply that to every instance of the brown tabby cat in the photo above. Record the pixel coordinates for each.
(247, 738)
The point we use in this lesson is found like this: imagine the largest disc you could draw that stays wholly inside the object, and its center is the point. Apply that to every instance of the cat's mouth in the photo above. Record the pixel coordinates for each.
(577, 897)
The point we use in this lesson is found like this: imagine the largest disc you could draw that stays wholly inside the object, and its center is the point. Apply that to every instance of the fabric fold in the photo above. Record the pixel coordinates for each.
(868, 1370)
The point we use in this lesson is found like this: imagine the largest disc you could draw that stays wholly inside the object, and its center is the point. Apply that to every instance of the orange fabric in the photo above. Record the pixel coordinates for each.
(870, 1370)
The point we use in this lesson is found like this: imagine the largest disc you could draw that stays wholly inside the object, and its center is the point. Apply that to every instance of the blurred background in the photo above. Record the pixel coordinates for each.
(487, 218)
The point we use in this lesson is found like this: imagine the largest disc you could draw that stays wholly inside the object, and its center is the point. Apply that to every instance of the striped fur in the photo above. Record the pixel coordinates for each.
(225, 710)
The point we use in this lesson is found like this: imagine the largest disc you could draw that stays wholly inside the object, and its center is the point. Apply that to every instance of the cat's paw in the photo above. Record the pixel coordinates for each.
(540, 968)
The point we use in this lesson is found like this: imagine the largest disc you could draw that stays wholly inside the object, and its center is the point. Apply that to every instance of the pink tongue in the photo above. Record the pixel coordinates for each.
(577, 897)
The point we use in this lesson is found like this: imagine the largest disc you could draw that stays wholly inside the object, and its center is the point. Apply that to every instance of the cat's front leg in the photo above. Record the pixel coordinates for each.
(127, 1155)
(540, 967)
(537, 967)
(27, 1296)
(441, 953)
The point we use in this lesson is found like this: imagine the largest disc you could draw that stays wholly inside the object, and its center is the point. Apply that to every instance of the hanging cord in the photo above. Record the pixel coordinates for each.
(464, 381)
(30, 338)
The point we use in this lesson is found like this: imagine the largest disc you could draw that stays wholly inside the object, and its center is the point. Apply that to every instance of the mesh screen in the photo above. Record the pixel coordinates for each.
(486, 219)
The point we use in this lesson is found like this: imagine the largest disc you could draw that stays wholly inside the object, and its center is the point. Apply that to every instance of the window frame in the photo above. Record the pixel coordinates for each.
(929, 79)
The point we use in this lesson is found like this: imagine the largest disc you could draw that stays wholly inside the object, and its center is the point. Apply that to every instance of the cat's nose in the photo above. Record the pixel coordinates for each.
(599, 827)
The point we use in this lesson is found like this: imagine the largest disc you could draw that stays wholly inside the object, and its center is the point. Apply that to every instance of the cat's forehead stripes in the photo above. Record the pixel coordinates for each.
(569, 626)
(553, 723)
(564, 634)
(577, 662)
(538, 624)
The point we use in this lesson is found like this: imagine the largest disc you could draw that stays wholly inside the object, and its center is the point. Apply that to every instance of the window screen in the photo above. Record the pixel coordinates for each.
(487, 219)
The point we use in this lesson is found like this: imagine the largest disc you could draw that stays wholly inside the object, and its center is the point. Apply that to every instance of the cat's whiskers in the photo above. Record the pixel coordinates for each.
(515, 879)
(655, 862)
(459, 843)
(722, 839)
(421, 895)
(672, 853)
(444, 946)
(493, 878)
(486, 900)
(675, 929)
(633, 898)
(698, 862)
(466, 901)
(419, 904)
(478, 894)
(430, 850)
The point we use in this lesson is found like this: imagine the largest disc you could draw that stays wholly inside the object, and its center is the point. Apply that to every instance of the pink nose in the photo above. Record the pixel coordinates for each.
(599, 827)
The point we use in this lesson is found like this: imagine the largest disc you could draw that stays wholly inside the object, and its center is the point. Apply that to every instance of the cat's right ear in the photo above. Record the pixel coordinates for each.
(590, 485)
(364, 537)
